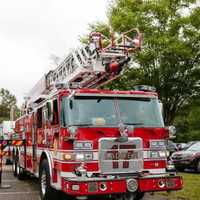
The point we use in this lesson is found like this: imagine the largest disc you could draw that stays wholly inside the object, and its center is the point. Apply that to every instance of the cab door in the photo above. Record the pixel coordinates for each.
(34, 142)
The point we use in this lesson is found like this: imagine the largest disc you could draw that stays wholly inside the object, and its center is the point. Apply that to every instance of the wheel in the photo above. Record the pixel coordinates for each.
(46, 191)
(14, 165)
(130, 196)
(20, 173)
(198, 166)
(139, 195)
(180, 168)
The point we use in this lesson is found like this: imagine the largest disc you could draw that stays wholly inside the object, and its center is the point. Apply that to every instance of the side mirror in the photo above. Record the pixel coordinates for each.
(172, 132)
(160, 107)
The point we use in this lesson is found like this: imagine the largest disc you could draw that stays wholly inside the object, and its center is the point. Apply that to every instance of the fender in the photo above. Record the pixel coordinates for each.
(46, 154)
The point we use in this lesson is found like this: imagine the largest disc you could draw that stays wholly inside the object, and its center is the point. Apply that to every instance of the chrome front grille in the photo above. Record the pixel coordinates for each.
(116, 157)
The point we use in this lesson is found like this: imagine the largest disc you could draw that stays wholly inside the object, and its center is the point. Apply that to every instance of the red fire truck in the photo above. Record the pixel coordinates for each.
(86, 141)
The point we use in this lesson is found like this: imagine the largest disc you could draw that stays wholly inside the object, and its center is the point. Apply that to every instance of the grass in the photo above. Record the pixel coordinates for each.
(190, 191)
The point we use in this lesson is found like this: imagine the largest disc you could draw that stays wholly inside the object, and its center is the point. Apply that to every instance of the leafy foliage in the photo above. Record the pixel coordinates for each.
(187, 122)
(170, 56)
(7, 100)
(97, 27)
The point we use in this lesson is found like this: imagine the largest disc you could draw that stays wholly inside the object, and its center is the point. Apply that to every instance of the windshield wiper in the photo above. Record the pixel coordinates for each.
(130, 123)
(81, 124)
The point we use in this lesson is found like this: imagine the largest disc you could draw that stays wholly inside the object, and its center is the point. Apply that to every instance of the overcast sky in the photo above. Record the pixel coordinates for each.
(32, 30)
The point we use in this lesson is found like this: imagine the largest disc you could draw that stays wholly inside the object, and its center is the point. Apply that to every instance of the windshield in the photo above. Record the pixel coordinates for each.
(194, 147)
(110, 111)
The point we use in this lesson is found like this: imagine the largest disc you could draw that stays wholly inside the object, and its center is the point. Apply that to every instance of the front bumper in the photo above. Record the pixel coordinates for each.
(99, 186)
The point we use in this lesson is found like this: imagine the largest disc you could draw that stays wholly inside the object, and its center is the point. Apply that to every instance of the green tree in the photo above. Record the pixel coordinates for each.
(187, 122)
(170, 56)
(97, 27)
(7, 100)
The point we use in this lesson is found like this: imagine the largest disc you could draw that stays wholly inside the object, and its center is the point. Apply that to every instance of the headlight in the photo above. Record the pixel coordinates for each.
(88, 145)
(84, 156)
(79, 145)
(162, 154)
(83, 145)
(155, 155)
(161, 144)
(80, 156)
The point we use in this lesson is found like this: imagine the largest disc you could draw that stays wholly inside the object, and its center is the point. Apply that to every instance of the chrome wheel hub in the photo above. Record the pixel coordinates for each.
(43, 183)
(18, 169)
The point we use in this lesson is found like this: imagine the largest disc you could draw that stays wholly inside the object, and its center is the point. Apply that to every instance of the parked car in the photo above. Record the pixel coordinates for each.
(189, 158)
(189, 144)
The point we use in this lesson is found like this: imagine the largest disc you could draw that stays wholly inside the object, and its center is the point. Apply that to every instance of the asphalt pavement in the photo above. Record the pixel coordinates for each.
(29, 189)
(19, 190)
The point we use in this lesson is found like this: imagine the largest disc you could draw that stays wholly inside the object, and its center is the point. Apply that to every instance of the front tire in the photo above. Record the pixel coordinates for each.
(20, 173)
(46, 191)
(198, 166)
(130, 196)
(14, 165)
(180, 168)
(139, 195)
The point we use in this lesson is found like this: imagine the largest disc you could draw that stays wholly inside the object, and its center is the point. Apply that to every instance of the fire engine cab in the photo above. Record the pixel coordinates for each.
(86, 141)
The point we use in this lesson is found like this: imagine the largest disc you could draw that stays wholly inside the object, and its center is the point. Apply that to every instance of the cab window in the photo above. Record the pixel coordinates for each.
(55, 112)
(39, 118)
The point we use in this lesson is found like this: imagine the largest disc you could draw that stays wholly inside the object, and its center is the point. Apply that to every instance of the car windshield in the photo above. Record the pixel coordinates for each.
(194, 147)
(110, 111)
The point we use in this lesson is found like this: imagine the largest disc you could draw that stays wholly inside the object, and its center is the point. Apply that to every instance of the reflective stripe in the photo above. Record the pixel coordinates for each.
(60, 155)
(67, 174)
(157, 171)
(147, 154)
(17, 142)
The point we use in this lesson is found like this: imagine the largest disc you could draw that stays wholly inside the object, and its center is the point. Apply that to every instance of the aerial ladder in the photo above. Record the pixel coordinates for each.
(89, 66)
(92, 65)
